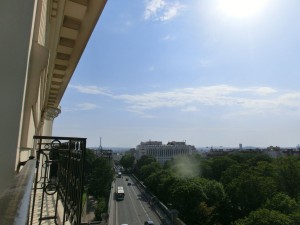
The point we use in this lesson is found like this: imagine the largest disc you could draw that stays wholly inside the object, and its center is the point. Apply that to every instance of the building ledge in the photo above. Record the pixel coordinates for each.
(15, 201)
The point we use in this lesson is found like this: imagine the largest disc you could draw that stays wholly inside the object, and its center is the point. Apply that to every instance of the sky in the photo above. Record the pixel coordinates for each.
(208, 72)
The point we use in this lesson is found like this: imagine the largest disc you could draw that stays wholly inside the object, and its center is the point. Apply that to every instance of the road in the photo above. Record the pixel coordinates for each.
(134, 209)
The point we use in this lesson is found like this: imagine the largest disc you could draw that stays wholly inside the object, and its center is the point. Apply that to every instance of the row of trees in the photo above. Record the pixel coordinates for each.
(237, 189)
(99, 176)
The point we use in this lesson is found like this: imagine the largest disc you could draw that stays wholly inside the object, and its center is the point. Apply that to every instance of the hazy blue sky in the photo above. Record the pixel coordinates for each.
(211, 72)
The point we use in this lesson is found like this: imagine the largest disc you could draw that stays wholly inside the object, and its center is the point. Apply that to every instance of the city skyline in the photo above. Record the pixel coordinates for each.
(206, 72)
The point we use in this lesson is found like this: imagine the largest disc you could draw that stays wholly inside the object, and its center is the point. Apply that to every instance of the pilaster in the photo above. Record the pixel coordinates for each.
(50, 114)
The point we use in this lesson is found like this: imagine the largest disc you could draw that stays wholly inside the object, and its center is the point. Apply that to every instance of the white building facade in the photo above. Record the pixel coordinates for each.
(41, 44)
(164, 152)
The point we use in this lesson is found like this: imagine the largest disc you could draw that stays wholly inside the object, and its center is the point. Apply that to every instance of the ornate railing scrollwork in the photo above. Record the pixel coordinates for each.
(59, 174)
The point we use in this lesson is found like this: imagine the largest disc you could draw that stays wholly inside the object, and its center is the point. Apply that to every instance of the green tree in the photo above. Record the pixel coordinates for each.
(186, 198)
(257, 158)
(250, 158)
(288, 175)
(295, 217)
(232, 173)
(101, 178)
(265, 217)
(282, 203)
(160, 183)
(214, 191)
(127, 161)
(147, 170)
(249, 191)
(144, 160)
(264, 169)
(198, 200)
(100, 208)
(152, 182)
(90, 157)
(217, 166)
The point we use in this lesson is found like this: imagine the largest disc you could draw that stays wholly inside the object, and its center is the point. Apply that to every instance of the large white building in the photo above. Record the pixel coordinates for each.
(164, 152)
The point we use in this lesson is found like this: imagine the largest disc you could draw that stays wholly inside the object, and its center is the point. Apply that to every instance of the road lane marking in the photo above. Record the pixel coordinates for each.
(140, 222)
(141, 204)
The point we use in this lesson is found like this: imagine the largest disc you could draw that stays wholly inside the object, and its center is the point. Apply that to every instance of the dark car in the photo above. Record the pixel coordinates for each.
(149, 222)
(129, 184)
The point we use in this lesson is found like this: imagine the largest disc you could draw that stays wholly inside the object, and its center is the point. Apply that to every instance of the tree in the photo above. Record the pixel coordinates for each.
(147, 170)
(249, 191)
(288, 175)
(160, 183)
(90, 157)
(257, 158)
(186, 198)
(197, 200)
(101, 178)
(264, 169)
(127, 161)
(250, 158)
(265, 217)
(100, 208)
(217, 166)
(282, 203)
(144, 160)
(232, 172)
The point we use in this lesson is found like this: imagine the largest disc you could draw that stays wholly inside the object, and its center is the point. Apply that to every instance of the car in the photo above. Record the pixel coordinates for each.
(129, 184)
(149, 222)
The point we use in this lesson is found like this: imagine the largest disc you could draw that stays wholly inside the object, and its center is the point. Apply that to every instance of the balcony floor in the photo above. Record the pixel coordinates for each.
(48, 209)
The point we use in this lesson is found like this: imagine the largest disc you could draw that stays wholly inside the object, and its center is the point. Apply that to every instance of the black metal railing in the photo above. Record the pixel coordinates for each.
(59, 177)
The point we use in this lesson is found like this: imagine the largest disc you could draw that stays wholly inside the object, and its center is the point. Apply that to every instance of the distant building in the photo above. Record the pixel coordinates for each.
(164, 152)
(241, 147)
(104, 153)
(117, 156)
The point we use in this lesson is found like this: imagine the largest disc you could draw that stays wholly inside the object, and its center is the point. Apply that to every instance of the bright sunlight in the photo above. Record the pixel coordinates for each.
(241, 8)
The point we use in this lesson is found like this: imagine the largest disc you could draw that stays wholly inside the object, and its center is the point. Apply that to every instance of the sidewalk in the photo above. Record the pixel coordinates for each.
(90, 213)
(111, 207)
(91, 206)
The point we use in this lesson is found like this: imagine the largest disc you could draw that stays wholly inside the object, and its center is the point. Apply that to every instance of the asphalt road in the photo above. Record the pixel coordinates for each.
(134, 209)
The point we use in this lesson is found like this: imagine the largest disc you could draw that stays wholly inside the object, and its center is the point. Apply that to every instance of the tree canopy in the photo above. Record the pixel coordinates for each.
(236, 189)
(127, 161)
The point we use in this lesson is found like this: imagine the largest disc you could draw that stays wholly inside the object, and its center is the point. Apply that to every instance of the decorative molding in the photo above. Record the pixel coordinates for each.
(51, 113)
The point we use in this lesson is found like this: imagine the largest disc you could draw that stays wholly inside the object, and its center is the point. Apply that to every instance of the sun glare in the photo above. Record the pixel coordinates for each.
(241, 8)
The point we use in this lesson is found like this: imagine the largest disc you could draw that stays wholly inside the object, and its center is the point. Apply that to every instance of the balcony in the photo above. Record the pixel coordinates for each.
(48, 189)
